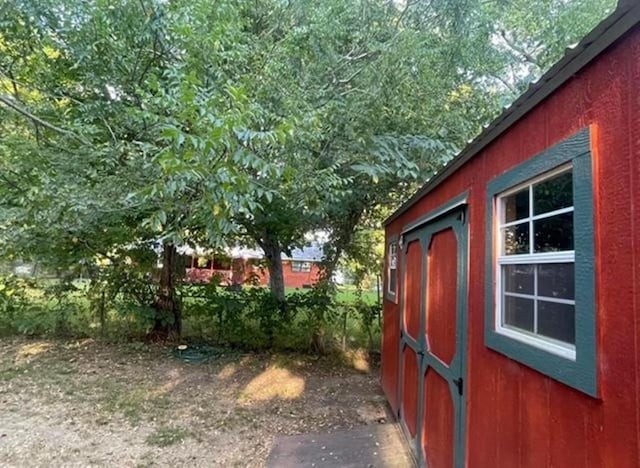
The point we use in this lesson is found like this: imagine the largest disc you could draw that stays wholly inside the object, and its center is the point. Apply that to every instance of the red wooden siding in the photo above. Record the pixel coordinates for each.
(515, 415)
(410, 383)
(391, 353)
(413, 285)
(390, 365)
(441, 295)
(438, 437)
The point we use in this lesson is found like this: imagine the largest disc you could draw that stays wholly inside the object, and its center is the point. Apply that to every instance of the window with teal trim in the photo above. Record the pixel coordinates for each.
(392, 271)
(541, 302)
(535, 263)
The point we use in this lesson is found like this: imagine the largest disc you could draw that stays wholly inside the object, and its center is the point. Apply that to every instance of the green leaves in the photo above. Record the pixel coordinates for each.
(199, 121)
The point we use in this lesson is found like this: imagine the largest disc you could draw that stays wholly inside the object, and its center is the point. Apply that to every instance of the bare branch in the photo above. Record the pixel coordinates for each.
(353, 75)
(508, 85)
(519, 50)
(20, 110)
(402, 14)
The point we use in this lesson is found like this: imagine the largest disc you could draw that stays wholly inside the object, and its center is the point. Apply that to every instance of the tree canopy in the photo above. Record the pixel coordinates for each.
(132, 122)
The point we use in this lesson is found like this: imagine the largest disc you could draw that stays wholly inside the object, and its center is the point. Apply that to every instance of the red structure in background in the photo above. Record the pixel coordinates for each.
(301, 270)
(204, 270)
(478, 403)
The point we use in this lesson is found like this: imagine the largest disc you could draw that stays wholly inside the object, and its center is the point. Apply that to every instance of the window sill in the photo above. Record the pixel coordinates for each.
(391, 298)
(531, 340)
(576, 373)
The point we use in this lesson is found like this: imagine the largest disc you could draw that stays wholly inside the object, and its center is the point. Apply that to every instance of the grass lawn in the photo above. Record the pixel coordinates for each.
(349, 294)
(81, 403)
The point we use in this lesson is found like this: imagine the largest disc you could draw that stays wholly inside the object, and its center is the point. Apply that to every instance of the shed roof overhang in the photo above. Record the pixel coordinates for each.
(607, 33)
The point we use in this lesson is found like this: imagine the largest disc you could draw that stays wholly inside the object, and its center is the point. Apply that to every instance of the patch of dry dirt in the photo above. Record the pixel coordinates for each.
(86, 403)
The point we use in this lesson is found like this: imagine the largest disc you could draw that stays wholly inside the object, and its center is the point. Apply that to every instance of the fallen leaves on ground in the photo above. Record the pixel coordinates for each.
(79, 403)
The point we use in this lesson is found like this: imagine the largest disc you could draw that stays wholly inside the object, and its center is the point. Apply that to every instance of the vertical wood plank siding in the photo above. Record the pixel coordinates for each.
(515, 415)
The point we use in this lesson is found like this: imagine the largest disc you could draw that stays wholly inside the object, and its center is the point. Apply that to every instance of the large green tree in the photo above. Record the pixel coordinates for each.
(132, 123)
(381, 94)
(126, 124)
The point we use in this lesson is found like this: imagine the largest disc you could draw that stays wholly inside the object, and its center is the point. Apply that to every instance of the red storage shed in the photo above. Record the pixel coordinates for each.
(512, 288)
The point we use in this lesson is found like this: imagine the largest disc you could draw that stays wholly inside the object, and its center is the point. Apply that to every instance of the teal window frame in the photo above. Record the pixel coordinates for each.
(391, 296)
(579, 373)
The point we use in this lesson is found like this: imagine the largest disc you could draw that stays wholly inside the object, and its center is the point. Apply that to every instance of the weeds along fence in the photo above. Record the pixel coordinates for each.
(310, 319)
(248, 318)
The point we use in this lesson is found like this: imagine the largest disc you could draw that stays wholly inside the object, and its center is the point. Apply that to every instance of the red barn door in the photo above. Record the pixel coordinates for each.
(433, 339)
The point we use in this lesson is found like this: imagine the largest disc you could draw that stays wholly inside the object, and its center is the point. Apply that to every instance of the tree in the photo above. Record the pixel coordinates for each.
(338, 71)
(382, 95)
(137, 122)
(125, 131)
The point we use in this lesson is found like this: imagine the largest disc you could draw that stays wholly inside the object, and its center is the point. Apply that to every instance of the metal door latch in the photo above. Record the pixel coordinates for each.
(459, 383)
(461, 216)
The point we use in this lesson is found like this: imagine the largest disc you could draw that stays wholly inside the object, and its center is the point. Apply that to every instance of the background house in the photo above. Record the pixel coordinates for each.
(242, 265)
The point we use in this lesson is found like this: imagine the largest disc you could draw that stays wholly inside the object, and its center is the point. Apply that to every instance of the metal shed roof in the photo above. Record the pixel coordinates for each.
(609, 31)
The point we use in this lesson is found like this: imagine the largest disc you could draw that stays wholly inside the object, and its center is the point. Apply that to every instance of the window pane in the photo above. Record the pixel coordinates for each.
(553, 194)
(518, 312)
(392, 281)
(393, 260)
(554, 233)
(518, 278)
(557, 321)
(516, 239)
(556, 280)
(393, 265)
(516, 206)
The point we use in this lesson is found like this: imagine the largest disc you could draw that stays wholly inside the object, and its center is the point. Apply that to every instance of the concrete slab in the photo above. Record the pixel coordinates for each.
(380, 446)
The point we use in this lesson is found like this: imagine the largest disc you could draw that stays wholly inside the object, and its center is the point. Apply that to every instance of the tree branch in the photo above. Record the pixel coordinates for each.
(509, 86)
(11, 183)
(527, 56)
(20, 110)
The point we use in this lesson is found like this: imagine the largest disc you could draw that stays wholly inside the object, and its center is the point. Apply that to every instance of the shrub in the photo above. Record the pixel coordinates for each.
(28, 308)
(14, 302)
(253, 318)
(248, 317)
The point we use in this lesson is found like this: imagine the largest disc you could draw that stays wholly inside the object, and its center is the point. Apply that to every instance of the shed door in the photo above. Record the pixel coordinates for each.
(432, 345)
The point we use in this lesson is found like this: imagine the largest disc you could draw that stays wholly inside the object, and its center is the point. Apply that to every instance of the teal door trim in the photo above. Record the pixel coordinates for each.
(455, 373)
(457, 202)
(417, 344)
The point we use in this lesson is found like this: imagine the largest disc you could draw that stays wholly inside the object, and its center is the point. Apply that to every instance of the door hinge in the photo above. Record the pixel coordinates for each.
(460, 384)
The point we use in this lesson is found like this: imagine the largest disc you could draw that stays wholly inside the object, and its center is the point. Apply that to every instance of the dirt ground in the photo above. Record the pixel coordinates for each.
(87, 403)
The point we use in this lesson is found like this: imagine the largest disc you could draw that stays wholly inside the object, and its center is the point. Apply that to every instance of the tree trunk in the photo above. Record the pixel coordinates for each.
(168, 322)
(273, 254)
(342, 238)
